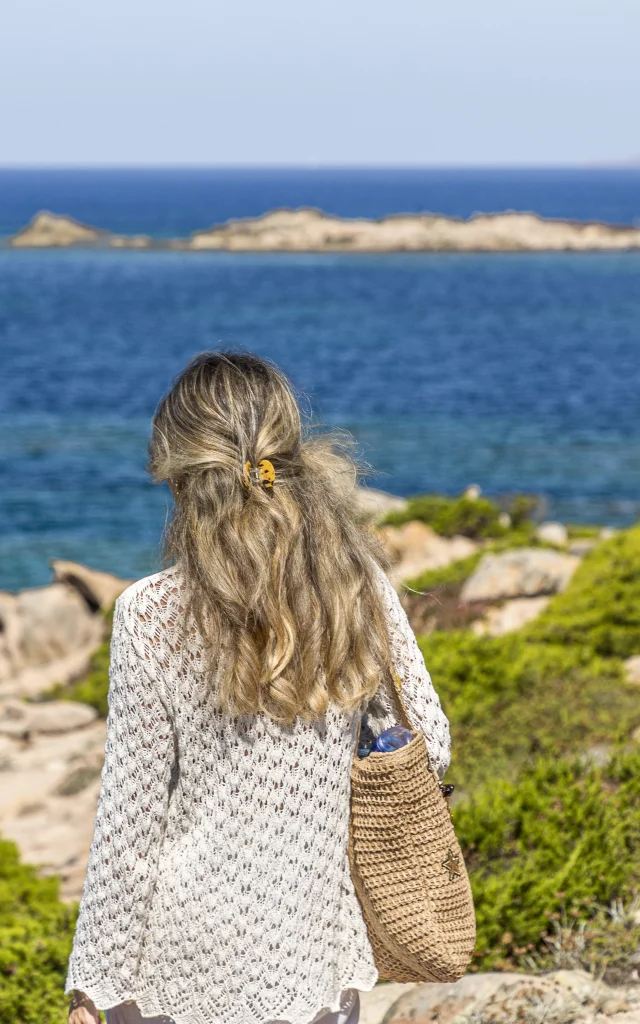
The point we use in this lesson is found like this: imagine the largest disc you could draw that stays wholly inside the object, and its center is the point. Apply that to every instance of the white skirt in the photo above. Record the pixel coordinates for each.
(349, 1012)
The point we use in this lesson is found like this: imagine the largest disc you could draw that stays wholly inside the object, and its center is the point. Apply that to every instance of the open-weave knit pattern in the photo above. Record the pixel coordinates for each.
(407, 868)
(218, 888)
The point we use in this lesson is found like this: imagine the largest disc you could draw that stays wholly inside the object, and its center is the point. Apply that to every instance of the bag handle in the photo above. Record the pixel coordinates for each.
(397, 681)
(396, 687)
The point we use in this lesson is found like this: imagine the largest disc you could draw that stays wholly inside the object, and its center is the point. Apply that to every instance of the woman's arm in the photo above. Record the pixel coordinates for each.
(419, 697)
(130, 820)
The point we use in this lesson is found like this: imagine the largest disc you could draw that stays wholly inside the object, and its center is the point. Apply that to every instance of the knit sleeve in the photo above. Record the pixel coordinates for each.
(130, 820)
(419, 697)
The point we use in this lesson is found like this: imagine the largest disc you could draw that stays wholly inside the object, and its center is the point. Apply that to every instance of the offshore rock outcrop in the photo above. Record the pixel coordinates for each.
(309, 230)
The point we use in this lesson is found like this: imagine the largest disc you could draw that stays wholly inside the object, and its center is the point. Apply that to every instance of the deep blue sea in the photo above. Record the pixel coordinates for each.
(516, 372)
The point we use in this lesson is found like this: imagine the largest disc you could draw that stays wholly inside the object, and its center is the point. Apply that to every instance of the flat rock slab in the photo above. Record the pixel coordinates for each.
(43, 625)
(48, 799)
(19, 719)
(510, 616)
(632, 669)
(521, 572)
(374, 1004)
(502, 998)
(415, 548)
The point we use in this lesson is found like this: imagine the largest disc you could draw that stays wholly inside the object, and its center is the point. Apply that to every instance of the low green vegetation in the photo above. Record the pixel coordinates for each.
(35, 941)
(469, 517)
(600, 611)
(551, 837)
(509, 701)
(547, 855)
(555, 686)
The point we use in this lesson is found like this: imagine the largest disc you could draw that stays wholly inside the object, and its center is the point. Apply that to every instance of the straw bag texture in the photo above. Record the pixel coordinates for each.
(407, 866)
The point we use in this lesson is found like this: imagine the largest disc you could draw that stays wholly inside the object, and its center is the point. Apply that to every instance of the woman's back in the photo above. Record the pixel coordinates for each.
(218, 887)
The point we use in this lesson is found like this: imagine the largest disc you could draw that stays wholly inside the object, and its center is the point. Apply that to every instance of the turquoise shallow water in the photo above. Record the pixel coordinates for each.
(518, 372)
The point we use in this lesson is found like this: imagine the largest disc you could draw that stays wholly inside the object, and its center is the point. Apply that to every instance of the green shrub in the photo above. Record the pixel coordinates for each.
(449, 516)
(478, 518)
(557, 684)
(36, 931)
(583, 531)
(600, 610)
(508, 700)
(565, 836)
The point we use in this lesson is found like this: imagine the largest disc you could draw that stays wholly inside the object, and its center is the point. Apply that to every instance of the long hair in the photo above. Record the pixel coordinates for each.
(281, 579)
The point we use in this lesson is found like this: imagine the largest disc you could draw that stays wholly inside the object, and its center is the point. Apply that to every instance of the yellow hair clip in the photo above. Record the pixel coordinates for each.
(264, 474)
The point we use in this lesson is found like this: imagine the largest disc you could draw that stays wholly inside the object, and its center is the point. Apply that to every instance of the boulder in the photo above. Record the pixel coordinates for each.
(510, 616)
(502, 998)
(415, 547)
(19, 717)
(376, 505)
(33, 680)
(374, 1004)
(553, 533)
(632, 669)
(521, 572)
(99, 589)
(473, 492)
(582, 546)
(48, 799)
(41, 626)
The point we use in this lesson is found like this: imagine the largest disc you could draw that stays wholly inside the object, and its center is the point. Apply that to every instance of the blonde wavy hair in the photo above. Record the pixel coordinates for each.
(282, 580)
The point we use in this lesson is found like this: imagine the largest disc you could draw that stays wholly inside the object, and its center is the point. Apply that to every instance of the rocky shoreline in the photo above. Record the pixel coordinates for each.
(311, 230)
(481, 573)
(49, 635)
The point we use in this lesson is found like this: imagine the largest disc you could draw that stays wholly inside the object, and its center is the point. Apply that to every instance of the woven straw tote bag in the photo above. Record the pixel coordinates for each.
(407, 866)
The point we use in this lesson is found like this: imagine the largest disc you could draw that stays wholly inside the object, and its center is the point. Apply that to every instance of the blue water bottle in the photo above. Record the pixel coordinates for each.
(392, 739)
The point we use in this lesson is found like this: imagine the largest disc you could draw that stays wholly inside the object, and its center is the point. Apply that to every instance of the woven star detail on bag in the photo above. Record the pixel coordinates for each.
(452, 865)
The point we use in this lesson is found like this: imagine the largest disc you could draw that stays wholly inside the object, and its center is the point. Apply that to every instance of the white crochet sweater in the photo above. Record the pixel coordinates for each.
(218, 887)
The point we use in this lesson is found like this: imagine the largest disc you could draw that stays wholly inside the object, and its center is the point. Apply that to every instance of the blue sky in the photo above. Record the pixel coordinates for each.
(335, 82)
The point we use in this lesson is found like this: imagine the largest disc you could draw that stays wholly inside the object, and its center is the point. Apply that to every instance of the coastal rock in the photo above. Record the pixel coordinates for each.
(19, 717)
(374, 1004)
(376, 505)
(310, 230)
(501, 998)
(31, 681)
(41, 626)
(522, 572)
(57, 231)
(510, 616)
(472, 493)
(415, 547)
(48, 799)
(582, 546)
(99, 589)
(553, 533)
(632, 670)
(51, 231)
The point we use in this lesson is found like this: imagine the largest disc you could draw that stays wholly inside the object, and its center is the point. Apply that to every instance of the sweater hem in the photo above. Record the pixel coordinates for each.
(105, 997)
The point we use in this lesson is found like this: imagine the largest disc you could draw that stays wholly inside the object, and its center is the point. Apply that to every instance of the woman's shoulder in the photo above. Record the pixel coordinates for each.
(152, 596)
